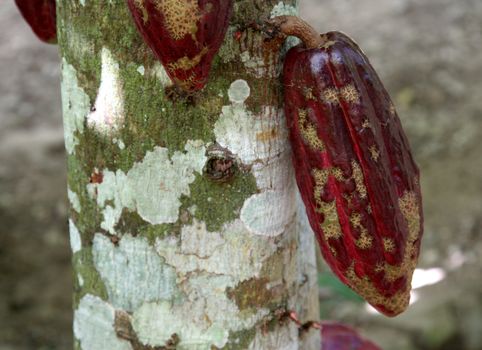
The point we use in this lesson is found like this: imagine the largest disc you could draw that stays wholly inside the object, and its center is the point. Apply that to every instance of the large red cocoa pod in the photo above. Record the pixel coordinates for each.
(185, 35)
(336, 336)
(41, 16)
(354, 169)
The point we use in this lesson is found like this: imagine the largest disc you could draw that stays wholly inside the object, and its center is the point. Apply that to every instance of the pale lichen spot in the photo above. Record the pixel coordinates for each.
(239, 91)
(237, 128)
(75, 106)
(75, 240)
(132, 271)
(197, 250)
(282, 9)
(268, 213)
(160, 73)
(152, 187)
(74, 200)
(141, 70)
(155, 323)
(254, 64)
(94, 325)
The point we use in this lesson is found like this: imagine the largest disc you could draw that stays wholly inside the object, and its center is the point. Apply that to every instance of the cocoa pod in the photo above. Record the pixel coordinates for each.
(336, 336)
(353, 165)
(41, 16)
(185, 35)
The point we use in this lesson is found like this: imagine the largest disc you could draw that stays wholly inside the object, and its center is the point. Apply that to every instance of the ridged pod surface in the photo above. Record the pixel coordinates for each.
(185, 35)
(335, 336)
(354, 169)
(41, 16)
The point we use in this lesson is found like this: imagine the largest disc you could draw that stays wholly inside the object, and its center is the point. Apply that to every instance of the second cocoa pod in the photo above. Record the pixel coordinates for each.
(41, 16)
(185, 35)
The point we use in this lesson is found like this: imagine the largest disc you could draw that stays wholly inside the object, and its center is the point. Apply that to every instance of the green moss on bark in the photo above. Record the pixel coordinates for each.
(92, 283)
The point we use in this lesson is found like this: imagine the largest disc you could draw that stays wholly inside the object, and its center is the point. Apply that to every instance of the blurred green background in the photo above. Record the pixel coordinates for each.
(428, 52)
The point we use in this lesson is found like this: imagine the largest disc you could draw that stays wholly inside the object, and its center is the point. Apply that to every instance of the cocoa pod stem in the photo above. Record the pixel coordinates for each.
(295, 26)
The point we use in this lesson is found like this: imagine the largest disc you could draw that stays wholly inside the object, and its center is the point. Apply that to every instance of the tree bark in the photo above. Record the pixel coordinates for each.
(185, 227)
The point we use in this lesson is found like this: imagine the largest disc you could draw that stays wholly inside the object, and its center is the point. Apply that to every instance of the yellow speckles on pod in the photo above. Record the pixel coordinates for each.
(363, 286)
(181, 17)
(374, 153)
(330, 226)
(350, 94)
(308, 92)
(308, 131)
(330, 95)
(355, 219)
(141, 6)
(337, 174)
(186, 63)
(359, 179)
(365, 240)
(410, 209)
(389, 245)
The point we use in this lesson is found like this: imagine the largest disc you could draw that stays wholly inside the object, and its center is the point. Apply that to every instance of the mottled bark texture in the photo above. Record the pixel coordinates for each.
(184, 226)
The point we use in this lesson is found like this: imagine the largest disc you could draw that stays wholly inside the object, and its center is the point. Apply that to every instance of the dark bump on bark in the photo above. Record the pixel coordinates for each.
(125, 331)
(221, 165)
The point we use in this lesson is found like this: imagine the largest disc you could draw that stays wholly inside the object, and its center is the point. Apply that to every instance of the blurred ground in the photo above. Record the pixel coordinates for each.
(429, 54)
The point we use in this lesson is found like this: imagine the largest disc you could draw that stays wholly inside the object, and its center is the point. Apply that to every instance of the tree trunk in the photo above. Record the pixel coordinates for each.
(184, 224)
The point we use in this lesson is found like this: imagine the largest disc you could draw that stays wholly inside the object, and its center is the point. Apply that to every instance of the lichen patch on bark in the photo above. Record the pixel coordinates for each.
(233, 251)
(75, 106)
(94, 325)
(132, 272)
(75, 242)
(152, 188)
(74, 200)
